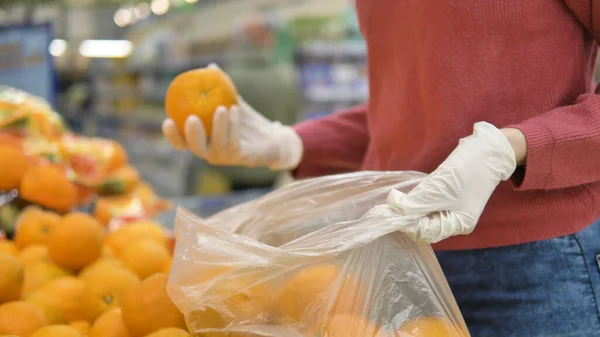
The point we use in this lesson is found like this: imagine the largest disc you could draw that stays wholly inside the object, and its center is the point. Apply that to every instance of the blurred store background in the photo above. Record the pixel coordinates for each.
(105, 65)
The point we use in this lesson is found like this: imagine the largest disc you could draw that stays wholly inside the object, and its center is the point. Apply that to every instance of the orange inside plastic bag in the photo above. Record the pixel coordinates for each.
(312, 259)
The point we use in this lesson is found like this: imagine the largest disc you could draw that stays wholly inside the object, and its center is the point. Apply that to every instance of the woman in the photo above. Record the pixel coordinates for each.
(513, 79)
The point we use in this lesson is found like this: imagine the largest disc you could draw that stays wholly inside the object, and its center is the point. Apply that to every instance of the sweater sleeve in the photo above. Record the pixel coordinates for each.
(333, 144)
(562, 144)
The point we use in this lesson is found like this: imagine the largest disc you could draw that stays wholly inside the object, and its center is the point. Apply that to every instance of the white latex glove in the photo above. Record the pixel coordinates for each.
(451, 199)
(240, 137)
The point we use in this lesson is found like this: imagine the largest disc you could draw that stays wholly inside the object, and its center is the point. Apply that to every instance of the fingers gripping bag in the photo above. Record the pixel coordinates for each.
(319, 257)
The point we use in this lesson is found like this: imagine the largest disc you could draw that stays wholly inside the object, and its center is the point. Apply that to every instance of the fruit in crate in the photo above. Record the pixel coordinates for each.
(199, 93)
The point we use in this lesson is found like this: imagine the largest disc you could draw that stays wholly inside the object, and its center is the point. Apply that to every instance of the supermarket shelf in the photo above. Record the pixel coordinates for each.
(178, 67)
(328, 49)
(325, 94)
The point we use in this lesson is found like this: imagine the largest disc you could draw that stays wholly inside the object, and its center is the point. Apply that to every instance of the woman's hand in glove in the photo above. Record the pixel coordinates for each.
(240, 137)
(451, 199)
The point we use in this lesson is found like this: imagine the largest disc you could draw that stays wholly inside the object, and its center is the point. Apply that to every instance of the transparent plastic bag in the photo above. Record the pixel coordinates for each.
(319, 257)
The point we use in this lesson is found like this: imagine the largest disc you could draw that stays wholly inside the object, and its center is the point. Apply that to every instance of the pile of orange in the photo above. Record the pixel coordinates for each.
(64, 276)
(319, 300)
(57, 169)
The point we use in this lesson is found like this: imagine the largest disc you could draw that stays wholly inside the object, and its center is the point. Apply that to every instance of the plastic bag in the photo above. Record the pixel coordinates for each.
(312, 259)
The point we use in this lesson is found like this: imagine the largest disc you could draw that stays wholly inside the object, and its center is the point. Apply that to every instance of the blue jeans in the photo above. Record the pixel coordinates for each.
(547, 288)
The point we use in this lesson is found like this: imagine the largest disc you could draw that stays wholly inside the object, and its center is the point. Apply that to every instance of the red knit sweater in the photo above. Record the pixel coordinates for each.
(437, 66)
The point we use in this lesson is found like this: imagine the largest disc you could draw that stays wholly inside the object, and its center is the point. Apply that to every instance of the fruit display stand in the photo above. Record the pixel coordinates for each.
(331, 62)
(79, 253)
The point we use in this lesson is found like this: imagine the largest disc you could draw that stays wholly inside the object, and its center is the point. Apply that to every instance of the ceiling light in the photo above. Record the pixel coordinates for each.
(123, 17)
(160, 7)
(142, 10)
(106, 48)
(57, 47)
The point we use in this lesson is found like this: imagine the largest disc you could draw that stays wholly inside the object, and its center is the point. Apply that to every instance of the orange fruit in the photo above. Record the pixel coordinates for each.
(20, 318)
(9, 247)
(170, 332)
(248, 301)
(33, 254)
(110, 324)
(14, 165)
(145, 257)
(124, 236)
(207, 318)
(199, 92)
(103, 209)
(117, 157)
(50, 305)
(83, 327)
(147, 308)
(57, 331)
(11, 278)
(100, 265)
(76, 241)
(343, 325)
(36, 275)
(430, 326)
(110, 283)
(34, 226)
(47, 185)
(168, 266)
(311, 290)
(107, 252)
(243, 298)
(75, 299)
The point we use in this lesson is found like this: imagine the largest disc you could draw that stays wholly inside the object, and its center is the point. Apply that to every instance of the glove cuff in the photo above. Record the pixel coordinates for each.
(290, 148)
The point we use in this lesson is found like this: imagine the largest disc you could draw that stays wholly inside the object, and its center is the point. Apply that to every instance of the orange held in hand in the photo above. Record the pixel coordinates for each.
(199, 92)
